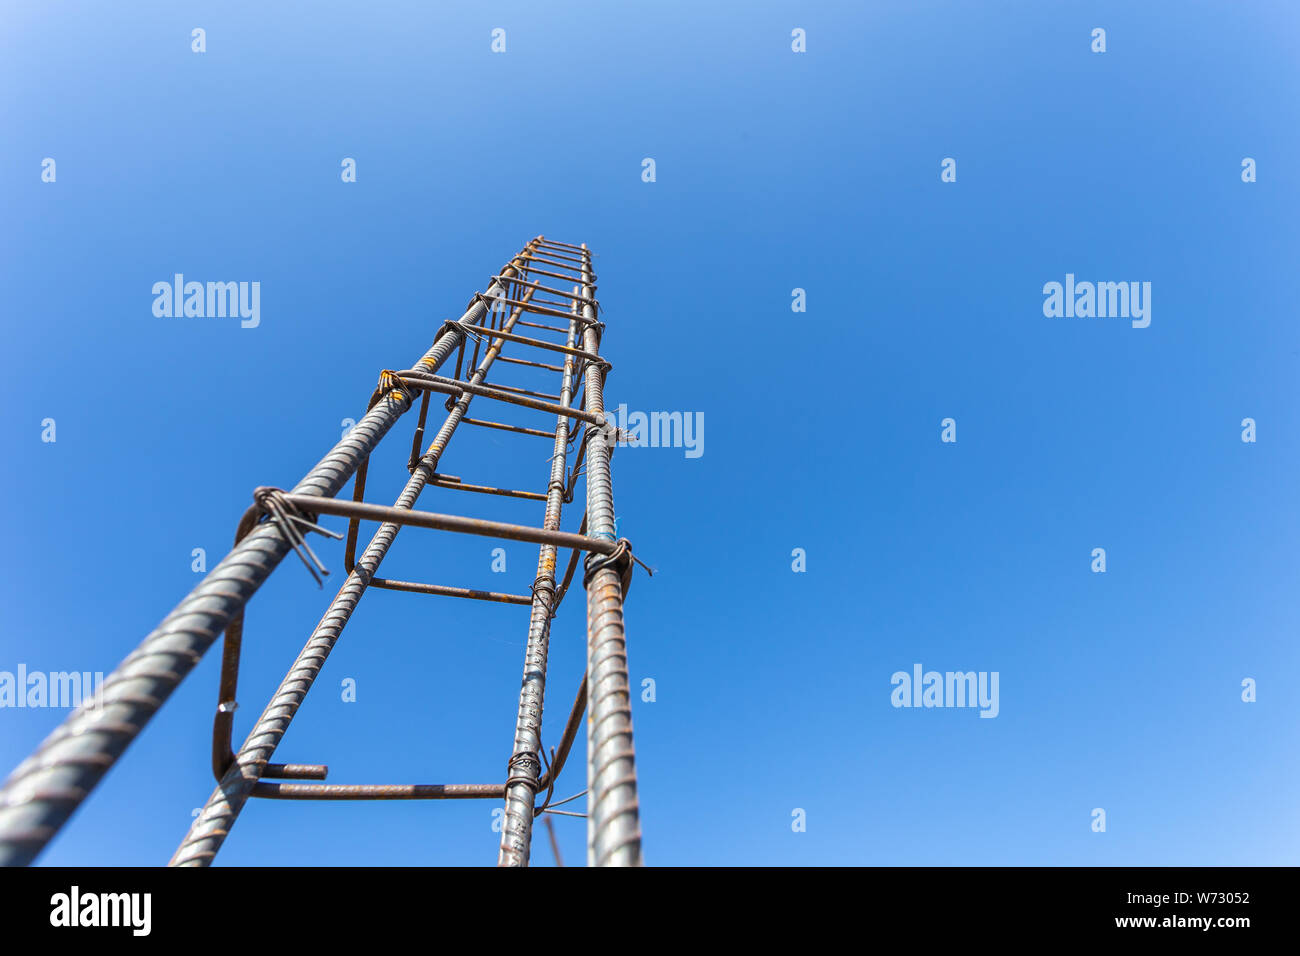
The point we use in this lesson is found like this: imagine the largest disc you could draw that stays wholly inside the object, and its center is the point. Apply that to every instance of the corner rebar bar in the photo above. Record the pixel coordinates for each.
(613, 817)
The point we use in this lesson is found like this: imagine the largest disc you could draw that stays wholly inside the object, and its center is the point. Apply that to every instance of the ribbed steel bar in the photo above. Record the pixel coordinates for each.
(525, 765)
(46, 788)
(210, 828)
(613, 817)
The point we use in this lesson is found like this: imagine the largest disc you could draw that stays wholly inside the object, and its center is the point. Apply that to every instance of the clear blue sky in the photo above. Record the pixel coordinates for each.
(775, 171)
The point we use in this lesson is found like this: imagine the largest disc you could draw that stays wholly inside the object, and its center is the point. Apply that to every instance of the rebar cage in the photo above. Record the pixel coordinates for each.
(43, 791)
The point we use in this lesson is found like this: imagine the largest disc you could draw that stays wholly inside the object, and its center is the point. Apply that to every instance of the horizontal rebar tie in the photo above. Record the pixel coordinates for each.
(543, 288)
(544, 396)
(576, 260)
(558, 263)
(539, 325)
(419, 587)
(447, 481)
(508, 428)
(441, 522)
(457, 387)
(540, 307)
(535, 343)
(515, 361)
(533, 270)
(380, 791)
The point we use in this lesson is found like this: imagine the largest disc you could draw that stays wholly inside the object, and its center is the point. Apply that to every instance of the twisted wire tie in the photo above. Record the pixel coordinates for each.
(288, 520)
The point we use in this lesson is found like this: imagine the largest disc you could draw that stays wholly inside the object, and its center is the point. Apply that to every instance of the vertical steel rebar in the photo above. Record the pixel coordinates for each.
(613, 817)
(525, 767)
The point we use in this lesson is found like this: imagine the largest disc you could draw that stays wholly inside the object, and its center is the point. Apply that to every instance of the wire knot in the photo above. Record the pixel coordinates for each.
(620, 560)
(524, 759)
(546, 584)
(291, 521)
(389, 382)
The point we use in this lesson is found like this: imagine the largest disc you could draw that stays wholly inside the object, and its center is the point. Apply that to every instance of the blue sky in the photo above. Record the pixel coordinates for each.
(775, 171)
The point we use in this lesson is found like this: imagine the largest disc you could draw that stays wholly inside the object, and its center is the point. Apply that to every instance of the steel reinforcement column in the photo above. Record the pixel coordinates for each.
(613, 818)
